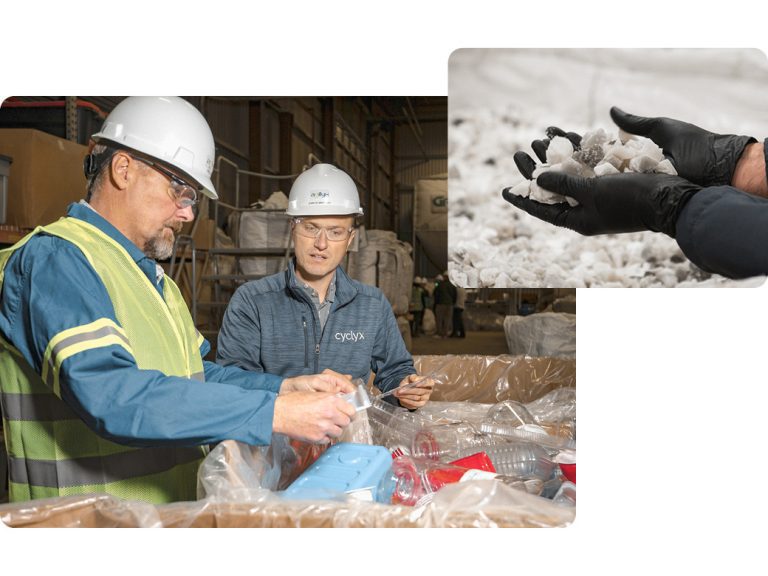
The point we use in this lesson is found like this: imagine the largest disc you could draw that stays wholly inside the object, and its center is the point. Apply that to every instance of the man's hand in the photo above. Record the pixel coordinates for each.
(311, 416)
(414, 396)
(327, 381)
(703, 157)
(626, 202)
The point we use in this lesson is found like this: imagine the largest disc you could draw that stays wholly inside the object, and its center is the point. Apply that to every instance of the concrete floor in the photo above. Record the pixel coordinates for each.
(487, 343)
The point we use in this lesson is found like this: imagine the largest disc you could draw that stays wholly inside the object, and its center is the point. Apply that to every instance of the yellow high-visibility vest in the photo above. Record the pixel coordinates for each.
(51, 450)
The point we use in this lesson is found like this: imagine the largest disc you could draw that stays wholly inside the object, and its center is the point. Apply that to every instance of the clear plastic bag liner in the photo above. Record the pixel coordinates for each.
(555, 406)
(359, 431)
(476, 503)
(487, 503)
(94, 510)
(512, 419)
(491, 379)
(556, 412)
(238, 472)
(439, 412)
(566, 495)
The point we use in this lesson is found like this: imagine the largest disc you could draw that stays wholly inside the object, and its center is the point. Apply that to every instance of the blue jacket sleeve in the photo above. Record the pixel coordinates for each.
(239, 342)
(248, 379)
(50, 287)
(390, 360)
(724, 230)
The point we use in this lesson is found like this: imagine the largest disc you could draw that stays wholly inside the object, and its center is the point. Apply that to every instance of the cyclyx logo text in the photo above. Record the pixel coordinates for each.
(349, 336)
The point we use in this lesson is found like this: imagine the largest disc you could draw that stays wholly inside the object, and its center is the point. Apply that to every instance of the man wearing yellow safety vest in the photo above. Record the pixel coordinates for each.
(103, 386)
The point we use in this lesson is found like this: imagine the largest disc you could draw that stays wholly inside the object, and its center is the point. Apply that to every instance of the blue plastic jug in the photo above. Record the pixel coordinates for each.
(346, 469)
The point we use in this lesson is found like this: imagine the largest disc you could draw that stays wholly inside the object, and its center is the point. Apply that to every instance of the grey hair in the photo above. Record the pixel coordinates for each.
(103, 156)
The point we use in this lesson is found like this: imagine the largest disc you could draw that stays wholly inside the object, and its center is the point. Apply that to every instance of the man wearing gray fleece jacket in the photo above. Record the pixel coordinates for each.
(313, 317)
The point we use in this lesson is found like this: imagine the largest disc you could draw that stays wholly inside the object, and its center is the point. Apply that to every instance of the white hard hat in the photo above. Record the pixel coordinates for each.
(323, 190)
(165, 128)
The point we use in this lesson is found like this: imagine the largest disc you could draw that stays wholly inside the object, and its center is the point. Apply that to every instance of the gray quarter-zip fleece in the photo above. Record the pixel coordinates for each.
(271, 325)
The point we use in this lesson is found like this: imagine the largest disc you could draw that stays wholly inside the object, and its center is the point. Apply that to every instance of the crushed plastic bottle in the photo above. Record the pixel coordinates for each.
(418, 478)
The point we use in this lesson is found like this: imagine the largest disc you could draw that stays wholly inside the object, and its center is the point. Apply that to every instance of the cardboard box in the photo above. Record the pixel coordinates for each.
(491, 379)
(473, 378)
(455, 506)
(45, 177)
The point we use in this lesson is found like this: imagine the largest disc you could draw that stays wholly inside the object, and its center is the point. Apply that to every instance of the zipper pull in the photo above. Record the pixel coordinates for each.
(317, 349)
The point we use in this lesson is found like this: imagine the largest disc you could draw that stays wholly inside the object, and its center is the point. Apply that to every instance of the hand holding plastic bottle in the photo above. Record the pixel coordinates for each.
(316, 417)
(414, 391)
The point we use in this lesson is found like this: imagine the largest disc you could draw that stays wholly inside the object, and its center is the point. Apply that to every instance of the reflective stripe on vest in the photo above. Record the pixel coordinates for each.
(99, 469)
(51, 450)
(34, 407)
(103, 332)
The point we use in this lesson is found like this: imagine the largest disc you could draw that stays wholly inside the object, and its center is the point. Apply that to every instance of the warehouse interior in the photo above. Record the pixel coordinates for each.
(519, 342)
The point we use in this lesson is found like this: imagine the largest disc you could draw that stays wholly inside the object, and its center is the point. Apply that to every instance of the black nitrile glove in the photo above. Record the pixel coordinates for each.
(700, 156)
(527, 165)
(540, 146)
(628, 202)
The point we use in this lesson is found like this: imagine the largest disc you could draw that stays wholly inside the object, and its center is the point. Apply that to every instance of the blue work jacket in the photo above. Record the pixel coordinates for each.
(49, 287)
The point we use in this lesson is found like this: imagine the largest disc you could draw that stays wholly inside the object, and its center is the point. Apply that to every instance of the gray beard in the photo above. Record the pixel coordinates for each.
(158, 248)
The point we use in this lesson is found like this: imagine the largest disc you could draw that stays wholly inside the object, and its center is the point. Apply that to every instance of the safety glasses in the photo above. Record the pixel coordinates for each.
(310, 230)
(182, 193)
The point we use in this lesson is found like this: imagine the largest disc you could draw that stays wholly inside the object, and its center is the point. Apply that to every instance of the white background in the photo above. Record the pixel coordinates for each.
(671, 382)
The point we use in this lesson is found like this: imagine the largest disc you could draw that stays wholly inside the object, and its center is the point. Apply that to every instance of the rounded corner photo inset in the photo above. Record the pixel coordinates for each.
(607, 167)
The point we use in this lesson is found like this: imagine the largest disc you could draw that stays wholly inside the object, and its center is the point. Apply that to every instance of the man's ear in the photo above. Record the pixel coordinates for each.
(119, 170)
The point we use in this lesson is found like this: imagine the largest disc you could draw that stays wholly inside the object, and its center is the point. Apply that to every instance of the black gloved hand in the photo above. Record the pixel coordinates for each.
(628, 202)
(527, 165)
(700, 156)
(540, 146)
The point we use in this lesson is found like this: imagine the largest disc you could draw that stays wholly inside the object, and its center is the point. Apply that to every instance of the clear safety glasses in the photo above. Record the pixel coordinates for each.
(182, 193)
(310, 230)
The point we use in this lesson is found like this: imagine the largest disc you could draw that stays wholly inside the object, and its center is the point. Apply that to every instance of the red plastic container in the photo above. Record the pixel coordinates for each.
(569, 471)
(479, 461)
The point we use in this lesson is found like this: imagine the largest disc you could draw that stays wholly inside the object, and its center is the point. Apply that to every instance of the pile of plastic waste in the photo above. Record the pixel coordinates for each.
(530, 447)
(390, 455)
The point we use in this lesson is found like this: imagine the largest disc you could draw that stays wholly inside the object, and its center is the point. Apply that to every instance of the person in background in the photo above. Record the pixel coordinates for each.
(445, 296)
(416, 306)
(313, 316)
(458, 313)
(104, 386)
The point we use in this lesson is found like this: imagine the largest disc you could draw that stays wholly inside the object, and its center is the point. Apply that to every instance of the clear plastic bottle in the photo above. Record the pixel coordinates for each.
(521, 459)
(450, 441)
(418, 478)
(392, 426)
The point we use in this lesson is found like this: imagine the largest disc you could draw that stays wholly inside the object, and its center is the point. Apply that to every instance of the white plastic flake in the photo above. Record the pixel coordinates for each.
(600, 154)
